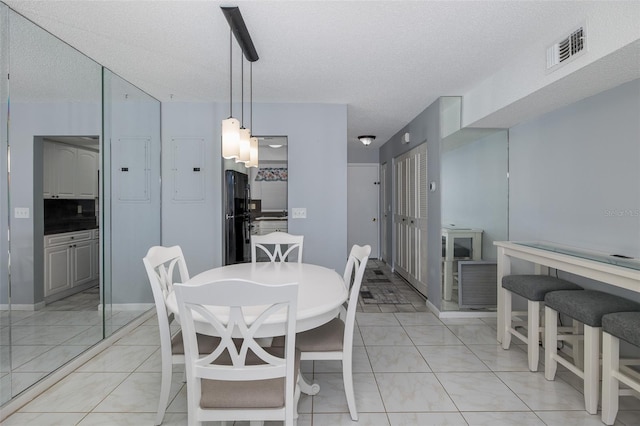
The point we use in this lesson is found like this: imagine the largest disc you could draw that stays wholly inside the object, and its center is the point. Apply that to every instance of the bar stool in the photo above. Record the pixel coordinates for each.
(587, 307)
(533, 288)
(625, 326)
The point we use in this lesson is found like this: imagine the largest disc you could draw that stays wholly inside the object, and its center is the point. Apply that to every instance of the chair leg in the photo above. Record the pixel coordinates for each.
(533, 333)
(306, 387)
(591, 368)
(610, 385)
(165, 386)
(347, 376)
(506, 333)
(550, 343)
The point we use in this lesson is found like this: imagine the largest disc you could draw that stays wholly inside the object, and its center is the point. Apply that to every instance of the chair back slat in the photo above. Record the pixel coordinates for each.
(238, 356)
(160, 264)
(272, 245)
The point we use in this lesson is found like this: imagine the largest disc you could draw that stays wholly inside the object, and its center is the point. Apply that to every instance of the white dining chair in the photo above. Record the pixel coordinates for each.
(160, 263)
(334, 340)
(239, 379)
(261, 244)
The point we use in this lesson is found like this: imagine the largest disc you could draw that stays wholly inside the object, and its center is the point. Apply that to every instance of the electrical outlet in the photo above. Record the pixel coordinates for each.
(299, 213)
(21, 213)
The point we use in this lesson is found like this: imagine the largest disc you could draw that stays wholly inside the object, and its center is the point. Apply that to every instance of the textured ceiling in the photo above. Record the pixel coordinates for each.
(387, 60)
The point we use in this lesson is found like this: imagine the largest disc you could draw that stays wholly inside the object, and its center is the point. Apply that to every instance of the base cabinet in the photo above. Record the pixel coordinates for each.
(265, 227)
(69, 261)
(57, 276)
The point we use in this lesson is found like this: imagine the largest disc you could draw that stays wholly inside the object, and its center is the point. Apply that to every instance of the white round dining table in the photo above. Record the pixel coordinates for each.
(321, 292)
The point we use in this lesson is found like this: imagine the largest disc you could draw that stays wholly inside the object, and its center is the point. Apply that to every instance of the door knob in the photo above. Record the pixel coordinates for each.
(374, 219)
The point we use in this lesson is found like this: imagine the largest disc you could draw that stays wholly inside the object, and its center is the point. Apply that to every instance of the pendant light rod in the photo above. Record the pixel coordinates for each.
(242, 91)
(239, 29)
(230, 73)
(251, 94)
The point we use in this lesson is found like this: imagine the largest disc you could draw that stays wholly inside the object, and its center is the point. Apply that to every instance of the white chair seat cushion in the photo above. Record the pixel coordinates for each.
(206, 344)
(246, 394)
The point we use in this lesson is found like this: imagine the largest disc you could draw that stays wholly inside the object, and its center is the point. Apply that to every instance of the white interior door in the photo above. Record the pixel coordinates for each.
(362, 208)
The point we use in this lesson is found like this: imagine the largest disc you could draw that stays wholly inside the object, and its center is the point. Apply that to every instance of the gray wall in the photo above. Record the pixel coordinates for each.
(29, 120)
(4, 184)
(194, 226)
(424, 128)
(317, 178)
(358, 153)
(575, 174)
(474, 189)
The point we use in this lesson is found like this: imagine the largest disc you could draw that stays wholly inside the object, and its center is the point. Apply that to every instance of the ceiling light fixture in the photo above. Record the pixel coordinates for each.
(366, 139)
(237, 141)
(275, 146)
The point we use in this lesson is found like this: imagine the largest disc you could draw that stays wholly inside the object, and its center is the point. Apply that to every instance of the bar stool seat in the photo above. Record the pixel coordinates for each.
(533, 288)
(587, 307)
(616, 326)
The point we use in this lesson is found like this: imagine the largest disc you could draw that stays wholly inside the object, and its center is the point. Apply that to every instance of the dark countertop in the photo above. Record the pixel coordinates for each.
(80, 224)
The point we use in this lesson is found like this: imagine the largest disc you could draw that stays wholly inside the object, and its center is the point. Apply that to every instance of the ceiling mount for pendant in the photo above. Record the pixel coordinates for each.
(239, 29)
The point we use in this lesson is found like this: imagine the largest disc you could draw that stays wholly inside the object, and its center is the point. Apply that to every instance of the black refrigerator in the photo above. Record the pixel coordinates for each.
(237, 218)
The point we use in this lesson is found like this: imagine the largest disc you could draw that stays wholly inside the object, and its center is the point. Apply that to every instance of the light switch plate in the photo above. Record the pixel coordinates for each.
(21, 213)
(299, 213)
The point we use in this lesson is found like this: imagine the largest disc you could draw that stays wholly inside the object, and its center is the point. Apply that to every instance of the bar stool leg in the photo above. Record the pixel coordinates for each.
(591, 368)
(533, 333)
(550, 343)
(610, 385)
(506, 311)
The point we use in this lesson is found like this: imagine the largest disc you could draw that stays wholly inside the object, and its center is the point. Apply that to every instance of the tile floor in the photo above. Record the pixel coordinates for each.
(44, 340)
(410, 368)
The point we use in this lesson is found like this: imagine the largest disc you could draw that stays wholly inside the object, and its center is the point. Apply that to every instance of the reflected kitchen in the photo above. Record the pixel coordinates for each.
(255, 198)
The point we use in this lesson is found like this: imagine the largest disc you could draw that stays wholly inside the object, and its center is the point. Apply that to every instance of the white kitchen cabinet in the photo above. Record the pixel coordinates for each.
(96, 254)
(69, 172)
(57, 276)
(86, 174)
(69, 261)
(268, 226)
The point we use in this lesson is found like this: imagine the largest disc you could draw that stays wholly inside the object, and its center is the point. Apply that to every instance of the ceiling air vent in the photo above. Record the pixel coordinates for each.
(566, 48)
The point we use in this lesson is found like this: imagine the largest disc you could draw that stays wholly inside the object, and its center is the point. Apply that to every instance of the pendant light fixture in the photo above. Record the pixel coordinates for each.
(230, 126)
(236, 140)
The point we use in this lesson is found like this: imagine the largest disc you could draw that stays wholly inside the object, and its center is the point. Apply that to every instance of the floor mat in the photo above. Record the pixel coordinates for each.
(378, 295)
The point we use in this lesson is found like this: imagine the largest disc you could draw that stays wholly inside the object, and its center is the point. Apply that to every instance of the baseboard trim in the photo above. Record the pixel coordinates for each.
(34, 391)
(459, 314)
(467, 314)
(23, 306)
(129, 306)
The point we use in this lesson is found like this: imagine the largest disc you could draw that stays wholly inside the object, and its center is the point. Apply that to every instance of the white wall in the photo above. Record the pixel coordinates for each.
(317, 178)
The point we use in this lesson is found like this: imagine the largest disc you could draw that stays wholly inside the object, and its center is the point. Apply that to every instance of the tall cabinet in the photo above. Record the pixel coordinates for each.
(69, 172)
(410, 216)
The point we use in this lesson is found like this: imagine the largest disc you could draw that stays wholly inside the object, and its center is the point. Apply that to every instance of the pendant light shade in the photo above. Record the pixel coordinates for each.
(245, 145)
(230, 138)
(253, 152)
